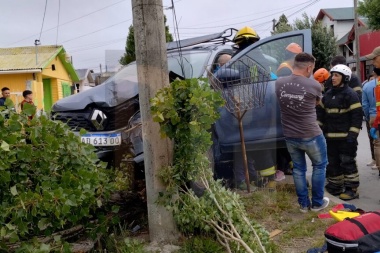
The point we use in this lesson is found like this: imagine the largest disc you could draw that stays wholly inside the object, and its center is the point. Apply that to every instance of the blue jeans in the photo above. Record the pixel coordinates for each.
(316, 150)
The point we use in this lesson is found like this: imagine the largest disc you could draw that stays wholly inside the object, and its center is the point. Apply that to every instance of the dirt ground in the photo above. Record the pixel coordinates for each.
(278, 211)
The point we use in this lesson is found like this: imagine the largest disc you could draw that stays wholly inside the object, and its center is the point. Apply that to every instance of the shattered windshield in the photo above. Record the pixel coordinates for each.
(193, 63)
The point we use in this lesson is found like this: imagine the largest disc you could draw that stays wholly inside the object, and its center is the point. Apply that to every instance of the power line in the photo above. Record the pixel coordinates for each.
(221, 26)
(43, 20)
(93, 47)
(96, 31)
(283, 8)
(70, 21)
(59, 10)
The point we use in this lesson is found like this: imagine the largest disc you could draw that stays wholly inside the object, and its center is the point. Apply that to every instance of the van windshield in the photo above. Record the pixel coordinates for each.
(193, 63)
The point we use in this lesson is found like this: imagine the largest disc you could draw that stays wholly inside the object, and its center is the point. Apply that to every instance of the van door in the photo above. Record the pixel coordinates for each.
(262, 126)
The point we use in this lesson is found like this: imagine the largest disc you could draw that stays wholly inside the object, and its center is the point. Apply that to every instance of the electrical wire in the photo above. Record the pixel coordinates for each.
(222, 26)
(176, 34)
(43, 20)
(59, 10)
(90, 48)
(84, 35)
(249, 15)
(70, 21)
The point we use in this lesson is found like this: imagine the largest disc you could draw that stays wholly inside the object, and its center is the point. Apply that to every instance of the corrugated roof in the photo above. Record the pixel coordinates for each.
(22, 58)
(346, 13)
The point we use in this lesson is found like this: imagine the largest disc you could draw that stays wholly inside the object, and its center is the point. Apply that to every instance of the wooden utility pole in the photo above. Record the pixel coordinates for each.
(152, 69)
(357, 43)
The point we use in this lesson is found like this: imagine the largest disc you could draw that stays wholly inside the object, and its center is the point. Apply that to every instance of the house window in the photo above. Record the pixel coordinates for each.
(351, 47)
(66, 89)
(332, 29)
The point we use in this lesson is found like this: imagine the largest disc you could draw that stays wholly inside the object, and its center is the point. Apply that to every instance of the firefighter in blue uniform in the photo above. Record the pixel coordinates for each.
(340, 116)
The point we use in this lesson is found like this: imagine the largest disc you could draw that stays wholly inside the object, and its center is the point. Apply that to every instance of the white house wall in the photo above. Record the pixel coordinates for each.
(341, 28)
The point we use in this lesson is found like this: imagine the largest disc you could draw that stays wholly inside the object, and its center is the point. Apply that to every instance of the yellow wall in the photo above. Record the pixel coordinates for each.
(21, 82)
(56, 76)
(59, 72)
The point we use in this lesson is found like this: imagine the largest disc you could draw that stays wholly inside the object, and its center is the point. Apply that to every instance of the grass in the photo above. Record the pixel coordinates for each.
(280, 210)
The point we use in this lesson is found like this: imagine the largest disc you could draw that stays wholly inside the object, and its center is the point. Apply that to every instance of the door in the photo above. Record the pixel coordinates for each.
(48, 96)
(262, 125)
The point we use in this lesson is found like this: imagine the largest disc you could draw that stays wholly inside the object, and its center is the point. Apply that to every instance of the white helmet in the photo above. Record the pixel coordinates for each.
(343, 70)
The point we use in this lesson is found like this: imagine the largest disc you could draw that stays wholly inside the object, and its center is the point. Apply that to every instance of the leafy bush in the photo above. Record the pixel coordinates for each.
(49, 180)
(186, 110)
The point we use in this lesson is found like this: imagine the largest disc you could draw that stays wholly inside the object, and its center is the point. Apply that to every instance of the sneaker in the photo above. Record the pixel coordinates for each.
(304, 209)
(349, 195)
(279, 176)
(374, 167)
(326, 202)
(371, 163)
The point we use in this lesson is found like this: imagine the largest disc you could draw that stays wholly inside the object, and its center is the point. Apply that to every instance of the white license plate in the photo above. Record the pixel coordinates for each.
(96, 140)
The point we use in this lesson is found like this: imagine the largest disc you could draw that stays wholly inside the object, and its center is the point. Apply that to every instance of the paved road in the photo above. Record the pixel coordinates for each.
(369, 189)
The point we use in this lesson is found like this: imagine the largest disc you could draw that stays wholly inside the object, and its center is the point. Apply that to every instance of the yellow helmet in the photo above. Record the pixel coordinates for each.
(244, 34)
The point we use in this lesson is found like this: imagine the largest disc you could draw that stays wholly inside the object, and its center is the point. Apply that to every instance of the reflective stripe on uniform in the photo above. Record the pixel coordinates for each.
(357, 89)
(319, 123)
(268, 172)
(336, 135)
(354, 129)
(354, 106)
(377, 103)
(339, 110)
(321, 104)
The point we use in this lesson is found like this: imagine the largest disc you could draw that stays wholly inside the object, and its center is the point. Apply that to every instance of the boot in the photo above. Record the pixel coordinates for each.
(333, 190)
(349, 194)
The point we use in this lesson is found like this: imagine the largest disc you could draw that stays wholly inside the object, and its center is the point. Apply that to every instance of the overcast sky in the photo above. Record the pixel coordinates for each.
(89, 27)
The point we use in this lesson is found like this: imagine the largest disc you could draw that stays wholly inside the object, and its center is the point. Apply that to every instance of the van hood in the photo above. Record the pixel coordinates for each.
(116, 90)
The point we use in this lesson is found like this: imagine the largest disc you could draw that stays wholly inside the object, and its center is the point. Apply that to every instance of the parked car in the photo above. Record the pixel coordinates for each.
(110, 112)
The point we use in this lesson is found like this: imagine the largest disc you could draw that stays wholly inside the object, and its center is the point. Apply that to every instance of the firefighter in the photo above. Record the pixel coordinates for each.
(245, 37)
(354, 81)
(340, 116)
(286, 68)
(321, 76)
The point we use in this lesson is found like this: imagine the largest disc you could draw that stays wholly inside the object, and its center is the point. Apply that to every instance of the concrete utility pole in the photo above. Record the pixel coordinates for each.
(357, 43)
(152, 69)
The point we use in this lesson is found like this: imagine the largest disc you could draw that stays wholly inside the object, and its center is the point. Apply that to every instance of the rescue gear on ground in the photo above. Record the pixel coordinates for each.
(321, 75)
(344, 71)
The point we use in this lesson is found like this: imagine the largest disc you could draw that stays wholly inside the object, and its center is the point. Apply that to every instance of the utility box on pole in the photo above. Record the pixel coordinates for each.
(152, 69)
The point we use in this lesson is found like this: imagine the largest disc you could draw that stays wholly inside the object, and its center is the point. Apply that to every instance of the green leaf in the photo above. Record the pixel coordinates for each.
(45, 247)
(99, 203)
(10, 226)
(9, 103)
(82, 131)
(29, 109)
(14, 190)
(43, 224)
(3, 231)
(115, 209)
(4, 146)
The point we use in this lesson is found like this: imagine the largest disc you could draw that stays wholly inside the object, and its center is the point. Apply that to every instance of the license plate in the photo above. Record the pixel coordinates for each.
(96, 140)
